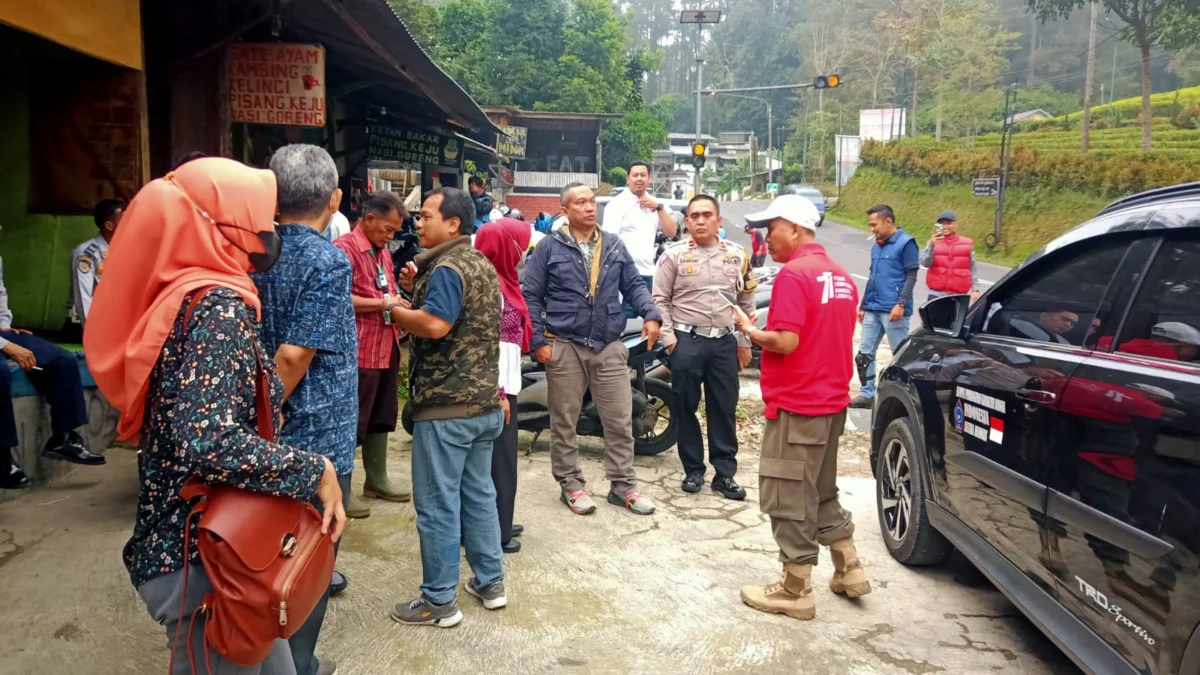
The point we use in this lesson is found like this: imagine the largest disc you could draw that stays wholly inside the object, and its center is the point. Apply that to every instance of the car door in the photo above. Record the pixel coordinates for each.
(1124, 507)
(998, 403)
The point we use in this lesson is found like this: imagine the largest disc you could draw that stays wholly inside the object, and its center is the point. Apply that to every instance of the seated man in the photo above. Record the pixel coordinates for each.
(55, 373)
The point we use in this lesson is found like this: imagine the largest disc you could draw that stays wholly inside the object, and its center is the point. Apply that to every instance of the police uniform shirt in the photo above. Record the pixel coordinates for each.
(688, 281)
(87, 264)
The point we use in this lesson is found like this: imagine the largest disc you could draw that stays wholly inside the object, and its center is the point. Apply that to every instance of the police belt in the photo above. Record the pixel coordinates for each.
(713, 332)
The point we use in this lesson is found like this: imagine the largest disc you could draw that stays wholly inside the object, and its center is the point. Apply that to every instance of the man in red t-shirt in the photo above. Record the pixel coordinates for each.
(807, 363)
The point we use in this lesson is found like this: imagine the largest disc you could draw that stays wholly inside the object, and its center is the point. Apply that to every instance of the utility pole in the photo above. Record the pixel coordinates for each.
(804, 165)
(993, 239)
(1089, 79)
(700, 17)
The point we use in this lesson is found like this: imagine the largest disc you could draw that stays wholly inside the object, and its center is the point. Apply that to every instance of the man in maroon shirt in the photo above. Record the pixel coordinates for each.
(375, 293)
(807, 363)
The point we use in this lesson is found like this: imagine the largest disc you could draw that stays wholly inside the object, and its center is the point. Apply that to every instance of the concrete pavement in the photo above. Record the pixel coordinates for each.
(609, 593)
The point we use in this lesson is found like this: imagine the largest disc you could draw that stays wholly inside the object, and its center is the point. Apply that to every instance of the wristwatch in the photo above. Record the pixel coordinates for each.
(659, 207)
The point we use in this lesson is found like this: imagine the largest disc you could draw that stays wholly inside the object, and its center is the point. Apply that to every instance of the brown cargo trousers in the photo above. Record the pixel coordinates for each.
(572, 371)
(797, 480)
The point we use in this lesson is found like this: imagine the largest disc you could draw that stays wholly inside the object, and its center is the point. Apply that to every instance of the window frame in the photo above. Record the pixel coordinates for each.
(1163, 239)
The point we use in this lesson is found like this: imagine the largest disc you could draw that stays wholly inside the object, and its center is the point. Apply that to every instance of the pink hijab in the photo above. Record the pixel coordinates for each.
(504, 242)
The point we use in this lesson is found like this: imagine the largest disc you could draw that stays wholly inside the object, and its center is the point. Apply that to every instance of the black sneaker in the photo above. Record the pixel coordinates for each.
(13, 478)
(492, 595)
(693, 483)
(729, 487)
(863, 403)
(422, 612)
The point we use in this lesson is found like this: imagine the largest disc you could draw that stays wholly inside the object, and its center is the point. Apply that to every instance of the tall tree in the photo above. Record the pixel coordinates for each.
(1147, 21)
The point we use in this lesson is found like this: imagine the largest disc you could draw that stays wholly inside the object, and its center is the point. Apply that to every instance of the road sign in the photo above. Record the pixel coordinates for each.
(985, 187)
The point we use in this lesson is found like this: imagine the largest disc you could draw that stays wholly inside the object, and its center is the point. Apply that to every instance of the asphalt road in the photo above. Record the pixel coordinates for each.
(849, 246)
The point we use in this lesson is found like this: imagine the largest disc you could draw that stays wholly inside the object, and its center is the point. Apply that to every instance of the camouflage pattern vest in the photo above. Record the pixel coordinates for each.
(457, 376)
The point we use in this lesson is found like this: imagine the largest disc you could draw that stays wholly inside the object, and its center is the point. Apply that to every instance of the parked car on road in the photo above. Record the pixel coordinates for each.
(1051, 433)
(813, 195)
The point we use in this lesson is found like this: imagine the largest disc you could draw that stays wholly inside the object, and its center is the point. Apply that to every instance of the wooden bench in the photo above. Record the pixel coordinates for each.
(33, 423)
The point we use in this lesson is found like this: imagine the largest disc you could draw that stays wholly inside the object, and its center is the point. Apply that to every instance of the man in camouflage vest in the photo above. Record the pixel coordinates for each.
(454, 324)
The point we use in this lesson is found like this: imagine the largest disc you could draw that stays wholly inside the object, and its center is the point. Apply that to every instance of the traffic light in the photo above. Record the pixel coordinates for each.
(827, 81)
(698, 150)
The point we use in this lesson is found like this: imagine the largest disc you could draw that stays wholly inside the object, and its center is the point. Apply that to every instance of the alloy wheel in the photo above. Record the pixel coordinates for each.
(895, 496)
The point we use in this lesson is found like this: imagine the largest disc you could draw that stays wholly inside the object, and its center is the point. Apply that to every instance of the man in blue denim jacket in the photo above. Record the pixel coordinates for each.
(573, 285)
(887, 300)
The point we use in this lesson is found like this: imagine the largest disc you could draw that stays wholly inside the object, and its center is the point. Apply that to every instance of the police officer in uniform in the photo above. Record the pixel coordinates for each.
(87, 260)
(690, 288)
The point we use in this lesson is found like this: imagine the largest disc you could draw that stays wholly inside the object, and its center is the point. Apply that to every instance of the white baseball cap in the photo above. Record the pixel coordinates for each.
(1176, 331)
(792, 208)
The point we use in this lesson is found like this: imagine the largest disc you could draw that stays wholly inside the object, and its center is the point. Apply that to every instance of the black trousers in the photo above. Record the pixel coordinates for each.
(712, 364)
(303, 643)
(504, 472)
(58, 380)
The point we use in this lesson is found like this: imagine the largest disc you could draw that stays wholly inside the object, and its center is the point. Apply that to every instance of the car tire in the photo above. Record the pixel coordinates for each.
(900, 500)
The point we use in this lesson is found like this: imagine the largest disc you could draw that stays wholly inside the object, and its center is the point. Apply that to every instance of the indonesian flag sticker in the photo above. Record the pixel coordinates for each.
(996, 433)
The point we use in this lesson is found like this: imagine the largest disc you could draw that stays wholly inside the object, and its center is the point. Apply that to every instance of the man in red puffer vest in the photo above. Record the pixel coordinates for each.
(950, 258)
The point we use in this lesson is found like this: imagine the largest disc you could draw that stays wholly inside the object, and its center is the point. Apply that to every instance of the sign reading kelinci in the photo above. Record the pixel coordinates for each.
(277, 83)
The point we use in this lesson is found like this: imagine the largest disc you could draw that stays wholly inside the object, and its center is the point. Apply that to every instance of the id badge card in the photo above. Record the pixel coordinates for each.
(381, 280)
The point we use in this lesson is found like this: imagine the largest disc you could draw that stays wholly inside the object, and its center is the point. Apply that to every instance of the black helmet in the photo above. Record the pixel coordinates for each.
(516, 213)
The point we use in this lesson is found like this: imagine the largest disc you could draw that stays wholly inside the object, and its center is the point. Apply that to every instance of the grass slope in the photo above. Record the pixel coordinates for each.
(1031, 217)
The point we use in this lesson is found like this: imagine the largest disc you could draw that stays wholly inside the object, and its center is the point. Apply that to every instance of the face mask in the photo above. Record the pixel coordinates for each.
(272, 246)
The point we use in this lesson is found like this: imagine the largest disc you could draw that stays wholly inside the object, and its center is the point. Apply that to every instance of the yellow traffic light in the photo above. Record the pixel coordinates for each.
(698, 149)
(827, 81)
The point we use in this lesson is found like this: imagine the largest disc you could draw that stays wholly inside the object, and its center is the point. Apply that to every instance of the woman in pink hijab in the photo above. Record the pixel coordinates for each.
(504, 242)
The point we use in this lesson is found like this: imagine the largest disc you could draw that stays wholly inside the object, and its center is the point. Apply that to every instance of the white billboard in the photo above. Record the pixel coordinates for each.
(881, 124)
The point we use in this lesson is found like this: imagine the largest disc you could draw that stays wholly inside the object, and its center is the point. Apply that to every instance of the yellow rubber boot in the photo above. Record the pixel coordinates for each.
(791, 595)
(849, 577)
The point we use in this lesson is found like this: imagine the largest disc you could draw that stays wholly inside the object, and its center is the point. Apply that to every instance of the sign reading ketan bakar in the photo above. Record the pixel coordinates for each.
(277, 83)
(391, 144)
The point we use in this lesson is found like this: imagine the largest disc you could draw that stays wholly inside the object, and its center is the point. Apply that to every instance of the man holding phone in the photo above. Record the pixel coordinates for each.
(696, 283)
(950, 258)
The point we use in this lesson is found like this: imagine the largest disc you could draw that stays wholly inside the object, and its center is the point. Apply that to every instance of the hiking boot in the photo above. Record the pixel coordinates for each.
(693, 483)
(729, 487)
(636, 502)
(579, 501)
(492, 595)
(357, 508)
(849, 577)
(378, 485)
(864, 403)
(791, 595)
(422, 612)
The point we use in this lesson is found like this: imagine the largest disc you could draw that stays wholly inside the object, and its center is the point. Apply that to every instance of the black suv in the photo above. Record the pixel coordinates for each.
(1051, 433)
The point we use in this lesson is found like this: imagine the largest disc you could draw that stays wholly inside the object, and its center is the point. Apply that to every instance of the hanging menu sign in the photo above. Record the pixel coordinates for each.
(277, 83)
(389, 144)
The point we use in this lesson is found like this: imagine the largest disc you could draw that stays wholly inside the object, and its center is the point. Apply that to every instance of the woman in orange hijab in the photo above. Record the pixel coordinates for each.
(184, 382)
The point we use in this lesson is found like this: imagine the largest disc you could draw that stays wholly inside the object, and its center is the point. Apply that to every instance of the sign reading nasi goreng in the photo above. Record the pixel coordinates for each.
(277, 83)
(392, 144)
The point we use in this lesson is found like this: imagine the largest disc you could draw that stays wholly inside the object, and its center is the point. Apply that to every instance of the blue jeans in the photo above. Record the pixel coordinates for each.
(454, 496)
(630, 312)
(875, 325)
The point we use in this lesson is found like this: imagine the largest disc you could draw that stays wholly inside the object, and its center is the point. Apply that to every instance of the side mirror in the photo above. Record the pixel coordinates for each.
(946, 315)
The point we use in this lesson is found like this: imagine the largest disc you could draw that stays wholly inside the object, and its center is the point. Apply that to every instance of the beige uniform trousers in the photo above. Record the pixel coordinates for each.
(797, 479)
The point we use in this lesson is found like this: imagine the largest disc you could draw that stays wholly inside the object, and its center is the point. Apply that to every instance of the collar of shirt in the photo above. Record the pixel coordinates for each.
(360, 240)
(899, 231)
(808, 249)
(295, 230)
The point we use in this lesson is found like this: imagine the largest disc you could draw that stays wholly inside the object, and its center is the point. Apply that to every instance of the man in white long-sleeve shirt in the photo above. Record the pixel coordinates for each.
(636, 217)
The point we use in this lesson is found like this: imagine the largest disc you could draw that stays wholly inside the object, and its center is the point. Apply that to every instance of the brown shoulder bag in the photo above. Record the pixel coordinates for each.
(267, 560)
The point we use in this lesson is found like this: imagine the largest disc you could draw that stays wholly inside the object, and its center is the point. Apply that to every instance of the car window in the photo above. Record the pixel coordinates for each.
(1164, 321)
(1057, 302)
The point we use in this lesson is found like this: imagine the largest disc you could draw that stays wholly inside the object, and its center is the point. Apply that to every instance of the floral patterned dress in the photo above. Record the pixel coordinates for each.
(201, 420)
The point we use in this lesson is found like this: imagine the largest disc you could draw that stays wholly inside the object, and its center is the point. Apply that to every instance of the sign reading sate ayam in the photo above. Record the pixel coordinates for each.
(277, 83)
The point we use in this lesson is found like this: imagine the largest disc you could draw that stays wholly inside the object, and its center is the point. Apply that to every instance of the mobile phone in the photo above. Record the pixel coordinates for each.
(939, 228)
(729, 298)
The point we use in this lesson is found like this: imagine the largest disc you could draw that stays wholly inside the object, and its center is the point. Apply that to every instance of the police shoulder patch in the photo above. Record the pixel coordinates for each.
(84, 264)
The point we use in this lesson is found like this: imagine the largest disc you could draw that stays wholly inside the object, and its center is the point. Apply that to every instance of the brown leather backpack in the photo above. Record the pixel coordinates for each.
(267, 560)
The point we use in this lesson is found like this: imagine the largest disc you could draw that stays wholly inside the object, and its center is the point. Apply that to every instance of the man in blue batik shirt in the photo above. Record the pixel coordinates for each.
(308, 323)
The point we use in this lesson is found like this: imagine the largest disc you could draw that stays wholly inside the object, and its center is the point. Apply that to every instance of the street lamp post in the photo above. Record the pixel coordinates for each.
(770, 128)
(700, 17)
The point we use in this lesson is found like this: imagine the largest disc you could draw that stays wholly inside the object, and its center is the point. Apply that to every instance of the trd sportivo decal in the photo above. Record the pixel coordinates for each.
(973, 418)
(1102, 602)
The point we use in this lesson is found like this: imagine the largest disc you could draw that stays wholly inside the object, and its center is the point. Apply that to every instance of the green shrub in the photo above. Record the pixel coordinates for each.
(1107, 174)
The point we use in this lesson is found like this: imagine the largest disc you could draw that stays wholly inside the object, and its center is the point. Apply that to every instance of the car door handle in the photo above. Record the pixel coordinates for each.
(1037, 395)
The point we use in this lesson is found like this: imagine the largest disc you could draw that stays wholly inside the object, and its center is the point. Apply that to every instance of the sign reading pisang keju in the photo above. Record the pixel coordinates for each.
(277, 83)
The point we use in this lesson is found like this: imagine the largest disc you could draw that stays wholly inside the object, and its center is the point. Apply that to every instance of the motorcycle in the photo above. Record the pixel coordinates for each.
(655, 408)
